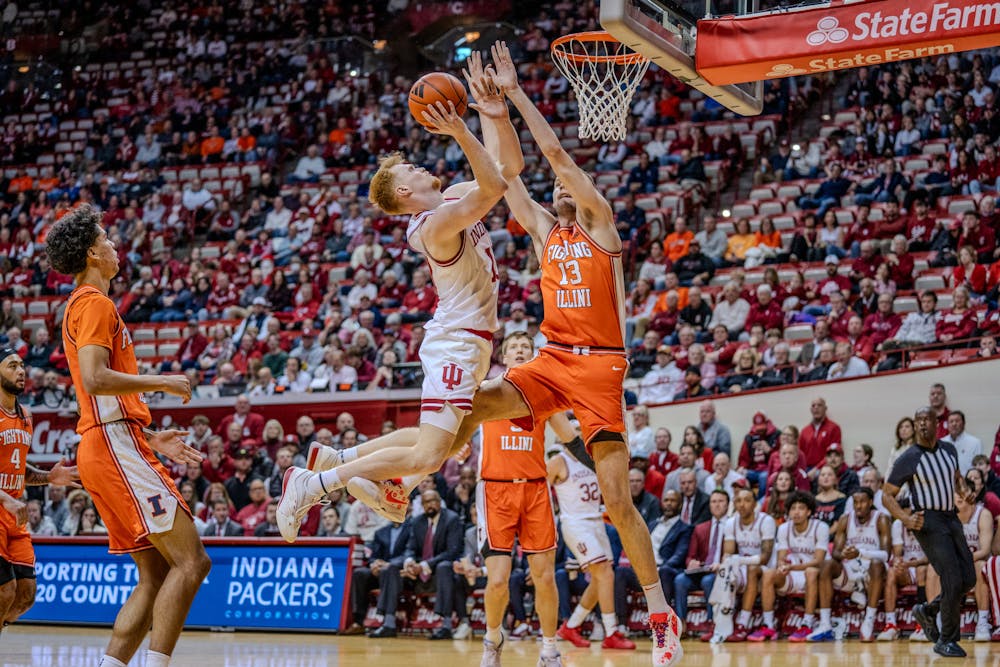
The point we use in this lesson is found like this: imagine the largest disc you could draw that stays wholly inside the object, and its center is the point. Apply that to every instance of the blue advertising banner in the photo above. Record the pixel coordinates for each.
(257, 584)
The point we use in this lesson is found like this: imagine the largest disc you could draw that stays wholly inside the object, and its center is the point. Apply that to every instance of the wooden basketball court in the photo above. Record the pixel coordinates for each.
(48, 646)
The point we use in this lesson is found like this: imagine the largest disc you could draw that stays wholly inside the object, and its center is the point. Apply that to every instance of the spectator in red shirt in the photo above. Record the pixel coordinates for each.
(979, 237)
(662, 459)
(254, 513)
(419, 302)
(223, 301)
(960, 321)
(920, 226)
(217, 466)
(968, 274)
(391, 293)
(900, 263)
(187, 355)
(756, 450)
(766, 311)
(252, 423)
(817, 436)
(787, 458)
(864, 349)
(883, 323)
(833, 281)
(839, 315)
(892, 222)
(867, 263)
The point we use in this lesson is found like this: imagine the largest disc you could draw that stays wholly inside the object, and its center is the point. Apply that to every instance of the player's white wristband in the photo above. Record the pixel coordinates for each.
(874, 554)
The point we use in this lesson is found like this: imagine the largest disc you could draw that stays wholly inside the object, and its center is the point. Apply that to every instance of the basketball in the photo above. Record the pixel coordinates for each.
(437, 87)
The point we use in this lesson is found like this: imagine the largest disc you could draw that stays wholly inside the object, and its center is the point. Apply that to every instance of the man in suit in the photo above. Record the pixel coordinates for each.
(686, 459)
(644, 501)
(435, 543)
(694, 501)
(221, 525)
(388, 551)
(703, 556)
(670, 537)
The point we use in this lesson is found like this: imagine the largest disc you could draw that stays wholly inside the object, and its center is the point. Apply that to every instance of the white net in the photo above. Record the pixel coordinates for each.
(604, 74)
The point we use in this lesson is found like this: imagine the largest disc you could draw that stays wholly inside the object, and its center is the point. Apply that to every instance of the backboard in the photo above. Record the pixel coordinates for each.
(666, 33)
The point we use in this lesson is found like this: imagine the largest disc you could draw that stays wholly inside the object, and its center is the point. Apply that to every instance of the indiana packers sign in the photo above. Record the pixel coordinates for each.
(761, 47)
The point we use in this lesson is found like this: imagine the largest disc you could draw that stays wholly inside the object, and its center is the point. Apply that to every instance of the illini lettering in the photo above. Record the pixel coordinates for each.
(516, 443)
(573, 298)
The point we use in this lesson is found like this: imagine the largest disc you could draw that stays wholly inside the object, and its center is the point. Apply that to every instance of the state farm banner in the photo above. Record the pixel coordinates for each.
(762, 47)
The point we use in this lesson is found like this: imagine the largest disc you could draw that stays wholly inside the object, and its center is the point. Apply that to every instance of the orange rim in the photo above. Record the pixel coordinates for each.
(558, 49)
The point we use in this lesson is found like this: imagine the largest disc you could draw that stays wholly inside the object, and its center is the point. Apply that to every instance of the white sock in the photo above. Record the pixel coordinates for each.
(155, 659)
(984, 616)
(809, 619)
(323, 483)
(870, 613)
(578, 616)
(347, 455)
(824, 618)
(494, 634)
(890, 618)
(655, 602)
(411, 482)
(743, 618)
(610, 623)
(769, 619)
(549, 647)
(108, 661)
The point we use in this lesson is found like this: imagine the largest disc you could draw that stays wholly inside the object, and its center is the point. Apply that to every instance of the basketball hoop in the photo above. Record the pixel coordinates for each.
(604, 74)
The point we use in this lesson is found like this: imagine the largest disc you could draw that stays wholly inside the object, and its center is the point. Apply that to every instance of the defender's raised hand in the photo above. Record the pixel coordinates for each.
(490, 101)
(506, 73)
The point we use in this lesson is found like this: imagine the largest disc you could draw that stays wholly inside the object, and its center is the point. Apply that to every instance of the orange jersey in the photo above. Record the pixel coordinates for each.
(15, 441)
(509, 452)
(91, 319)
(583, 291)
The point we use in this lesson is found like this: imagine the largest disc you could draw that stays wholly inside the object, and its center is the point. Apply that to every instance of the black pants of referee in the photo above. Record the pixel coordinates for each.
(946, 550)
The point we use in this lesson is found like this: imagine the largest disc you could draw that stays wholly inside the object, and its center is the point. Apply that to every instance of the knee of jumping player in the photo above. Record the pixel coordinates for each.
(24, 598)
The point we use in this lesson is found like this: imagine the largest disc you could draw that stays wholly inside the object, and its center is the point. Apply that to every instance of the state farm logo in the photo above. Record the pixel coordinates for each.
(827, 30)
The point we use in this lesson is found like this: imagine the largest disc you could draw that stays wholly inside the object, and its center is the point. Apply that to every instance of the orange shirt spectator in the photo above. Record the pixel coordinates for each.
(47, 184)
(22, 183)
(212, 146)
(246, 143)
(676, 244)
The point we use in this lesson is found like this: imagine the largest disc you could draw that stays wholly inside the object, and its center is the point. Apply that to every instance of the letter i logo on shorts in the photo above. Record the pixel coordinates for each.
(827, 30)
(451, 376)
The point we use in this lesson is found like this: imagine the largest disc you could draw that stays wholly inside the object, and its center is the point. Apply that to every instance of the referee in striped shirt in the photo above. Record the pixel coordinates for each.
(930, 467)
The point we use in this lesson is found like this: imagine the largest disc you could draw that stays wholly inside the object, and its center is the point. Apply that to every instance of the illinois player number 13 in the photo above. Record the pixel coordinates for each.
(570, 273)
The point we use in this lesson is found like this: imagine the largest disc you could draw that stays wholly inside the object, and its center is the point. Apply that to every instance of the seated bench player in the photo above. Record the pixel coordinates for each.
(861, 545)
(802, 544)
(909, 568)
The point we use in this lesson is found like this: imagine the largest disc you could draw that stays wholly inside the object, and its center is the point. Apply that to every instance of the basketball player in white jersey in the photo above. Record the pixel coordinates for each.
(991, 571)
(909, 568)
(583, 531)
(802, 543)
(446, 227)
(747, 549)
(977, 526)
(861, 545)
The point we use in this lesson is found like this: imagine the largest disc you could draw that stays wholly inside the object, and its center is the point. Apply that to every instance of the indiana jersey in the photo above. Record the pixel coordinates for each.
(749, 539)
(15, 441)
(971, 529)
(583, 290)
(801, 547)
(579, 495)
(91, 319)
(510, 452)
(863, 536)
(466, 283)
(901, 536)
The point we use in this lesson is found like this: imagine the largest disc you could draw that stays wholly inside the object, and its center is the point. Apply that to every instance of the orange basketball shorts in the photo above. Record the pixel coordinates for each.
(589, 385)
(515, 509)
(132, 491)
(15, 541)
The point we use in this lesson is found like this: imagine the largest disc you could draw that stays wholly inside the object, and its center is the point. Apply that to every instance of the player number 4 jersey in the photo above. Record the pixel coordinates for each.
(466, 283)
(15, 441)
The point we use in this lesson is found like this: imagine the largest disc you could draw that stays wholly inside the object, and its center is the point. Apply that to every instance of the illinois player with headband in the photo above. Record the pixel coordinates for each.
(447, 228)
(132, 491)
(583, 366)
(513, 502)
(17, 558)
(584, 533)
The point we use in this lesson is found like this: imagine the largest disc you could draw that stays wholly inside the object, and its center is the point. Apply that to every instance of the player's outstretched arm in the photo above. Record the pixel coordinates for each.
(99, 379)
(593, 209)
(499, 136)
(449, 219)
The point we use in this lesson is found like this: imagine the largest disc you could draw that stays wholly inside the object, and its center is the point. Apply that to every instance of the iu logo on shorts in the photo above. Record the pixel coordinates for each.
(451, 376)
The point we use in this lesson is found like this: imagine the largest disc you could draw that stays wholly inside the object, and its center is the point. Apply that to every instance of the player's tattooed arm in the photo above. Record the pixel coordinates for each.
(59, 475)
